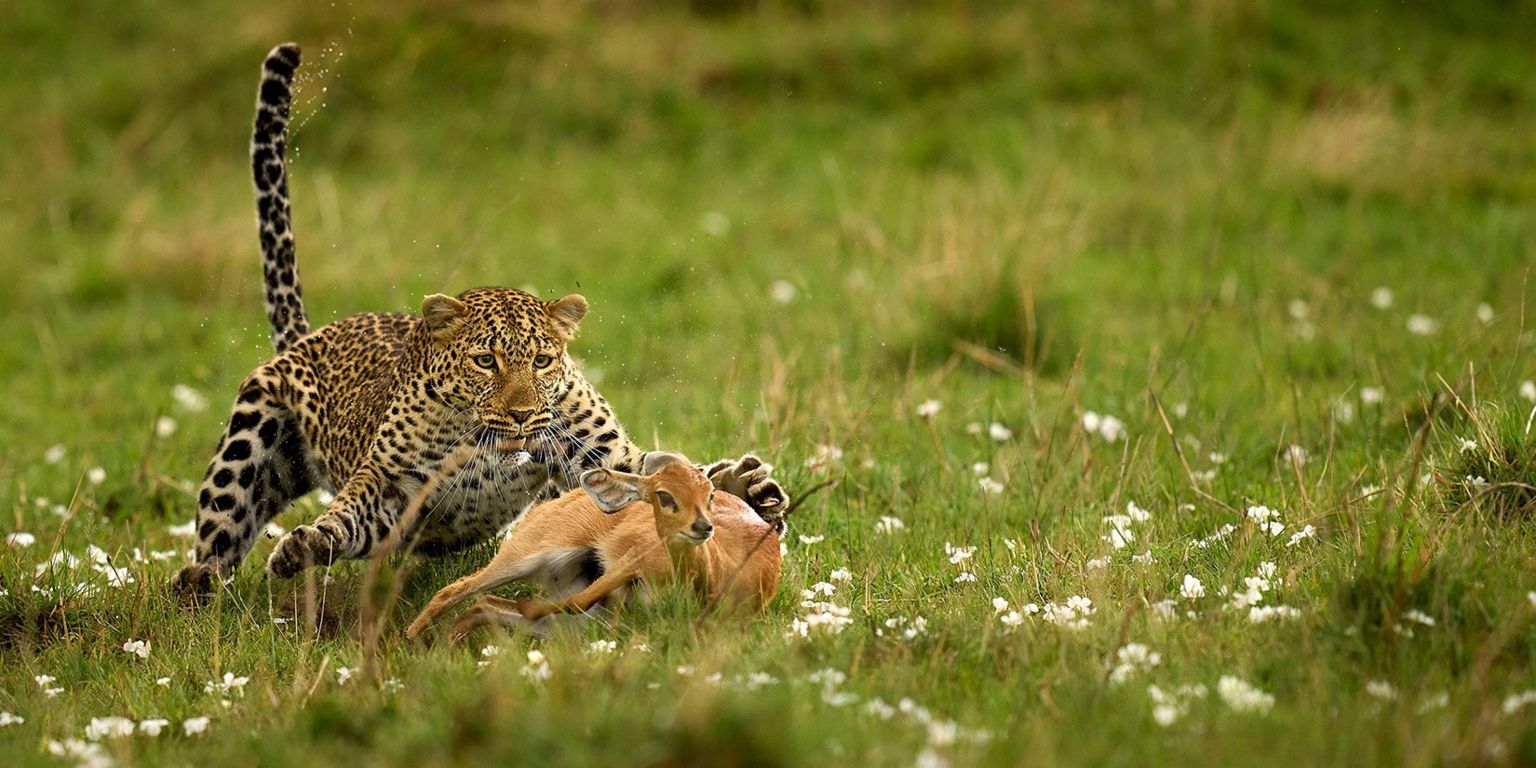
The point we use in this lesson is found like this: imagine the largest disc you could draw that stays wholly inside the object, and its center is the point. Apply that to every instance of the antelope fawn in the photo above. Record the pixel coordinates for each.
(588, 547)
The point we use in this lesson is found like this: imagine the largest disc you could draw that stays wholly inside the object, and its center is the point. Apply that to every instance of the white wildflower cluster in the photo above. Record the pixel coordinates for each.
(1267, 520)
(1259, 614)
(904, 628)
(1168, 706)
(1108, 427)
(7, 718)
(20, 539)
(1191, 588)
(821, 617)
(830, 682)
(537, 669)
(1306, 532)
(138, 648)
(602, 647)
(1131, 659)
(1528, 390)
(89, 753)
(1072, 614)
(45, 682)
(1012, 619)
(1120, 534)
(1381, 689)
(960, 557)
(928, 409)
(229, 684)
(888, 524)
(1243, 696)
(809, 540)
(1220, 535)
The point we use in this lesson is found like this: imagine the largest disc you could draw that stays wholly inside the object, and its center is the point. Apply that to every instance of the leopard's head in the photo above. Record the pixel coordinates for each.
(498, 354)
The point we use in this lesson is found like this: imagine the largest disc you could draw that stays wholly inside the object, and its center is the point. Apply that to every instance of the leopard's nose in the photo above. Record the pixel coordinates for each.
(521, 416)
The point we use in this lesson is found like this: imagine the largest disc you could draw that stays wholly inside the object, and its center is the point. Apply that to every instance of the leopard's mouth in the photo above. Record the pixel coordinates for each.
(508, 439)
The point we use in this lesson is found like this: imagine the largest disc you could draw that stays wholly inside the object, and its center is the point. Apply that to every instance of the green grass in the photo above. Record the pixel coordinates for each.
(1024, 212)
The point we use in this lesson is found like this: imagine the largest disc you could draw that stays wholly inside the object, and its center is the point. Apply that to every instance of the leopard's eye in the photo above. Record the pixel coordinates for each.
(542, 361)
(486, 361)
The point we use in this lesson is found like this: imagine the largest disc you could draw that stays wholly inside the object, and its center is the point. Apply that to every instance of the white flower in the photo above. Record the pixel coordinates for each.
(1097, 564)
(1416, 615)
(989, 486)
(186, 530)
(43, 680)
(1518, 701)
(7, 718)
(1381, 298)
(1133, 658)
(138, 648)
(1119, 538)
(153, 727)
(1000, 432)
(841, 574)
(1422, 325)
(1528, 390)
(537, 669)
(999, 605)
(1192, 589)
(1262, 613)
(599, 647)
(1464, 445)
(965, 577)
(189, 399)
(888, 524)
(808, 540)
(819, 588)
(1105, 426)
(20, 539)
(343, 675)
(1012, 619)
(1381, 689)
(1298, 309)
(1306, 532)
(822, 618)
(929, 408)
(1165, 609)
(958, 555)
(981, 468)
(108, 727)
(228, 685)
(1169, 706)
(163, 682)
(879, 708)
(194, 726)
(1372, 395)
(1296, 454)
(1485, 313)
(782, 291)
(96, 476)
(1242, 696)
(54, 454)
(1145, 558)
(165, 426)
(1343, 412)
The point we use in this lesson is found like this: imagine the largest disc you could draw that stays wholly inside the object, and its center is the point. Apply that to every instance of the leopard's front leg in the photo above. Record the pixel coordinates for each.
(359, 519)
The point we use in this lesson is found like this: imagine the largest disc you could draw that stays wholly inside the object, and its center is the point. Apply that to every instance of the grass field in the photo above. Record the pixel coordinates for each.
(1221, 307)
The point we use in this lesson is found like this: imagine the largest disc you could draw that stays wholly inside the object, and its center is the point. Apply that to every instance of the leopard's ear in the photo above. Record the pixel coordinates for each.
(444, 315)
(610, 489)
(566, 314)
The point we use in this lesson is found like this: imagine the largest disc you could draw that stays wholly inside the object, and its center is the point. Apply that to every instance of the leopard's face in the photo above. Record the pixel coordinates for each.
(499, 357)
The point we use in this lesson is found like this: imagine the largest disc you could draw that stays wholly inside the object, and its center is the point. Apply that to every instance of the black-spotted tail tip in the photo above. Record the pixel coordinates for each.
(283, 60)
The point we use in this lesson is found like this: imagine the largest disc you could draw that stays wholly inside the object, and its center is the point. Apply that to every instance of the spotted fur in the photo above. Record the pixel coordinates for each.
(368, 407)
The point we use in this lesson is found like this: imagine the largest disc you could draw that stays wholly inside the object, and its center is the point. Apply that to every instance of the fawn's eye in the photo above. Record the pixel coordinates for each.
(666, 500)
(542, 361)
(486, 361)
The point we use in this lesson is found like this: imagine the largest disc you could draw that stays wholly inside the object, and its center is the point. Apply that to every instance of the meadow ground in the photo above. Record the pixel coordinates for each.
(1216, 311)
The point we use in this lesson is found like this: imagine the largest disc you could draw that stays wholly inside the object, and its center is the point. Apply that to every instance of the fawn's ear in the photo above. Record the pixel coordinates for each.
(655, 461)
(611, 490)
(566, 314)
(444, 315)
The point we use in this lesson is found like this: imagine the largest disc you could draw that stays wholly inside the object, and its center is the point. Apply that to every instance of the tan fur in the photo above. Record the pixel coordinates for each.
(644, 540)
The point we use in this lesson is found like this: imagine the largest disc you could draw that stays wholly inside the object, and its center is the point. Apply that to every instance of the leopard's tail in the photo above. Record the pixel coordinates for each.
(269, 171)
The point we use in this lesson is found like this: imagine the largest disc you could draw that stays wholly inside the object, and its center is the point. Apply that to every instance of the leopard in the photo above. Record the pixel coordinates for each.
(367, 408)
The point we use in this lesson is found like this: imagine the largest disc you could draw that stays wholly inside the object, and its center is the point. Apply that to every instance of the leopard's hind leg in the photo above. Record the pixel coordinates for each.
(261, 465)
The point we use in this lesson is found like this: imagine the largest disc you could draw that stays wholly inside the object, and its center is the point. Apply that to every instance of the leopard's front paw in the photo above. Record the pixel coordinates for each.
(194, 583)
(303, 547)
(751, 479)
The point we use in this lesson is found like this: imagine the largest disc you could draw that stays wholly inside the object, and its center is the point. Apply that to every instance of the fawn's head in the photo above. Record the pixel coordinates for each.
(678, 492)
